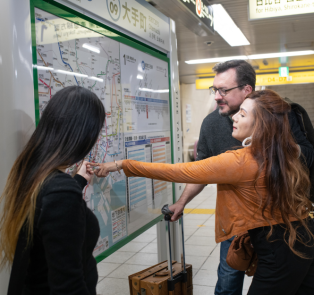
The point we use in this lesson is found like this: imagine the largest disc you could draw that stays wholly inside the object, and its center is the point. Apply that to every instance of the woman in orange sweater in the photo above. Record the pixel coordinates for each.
(262, 188)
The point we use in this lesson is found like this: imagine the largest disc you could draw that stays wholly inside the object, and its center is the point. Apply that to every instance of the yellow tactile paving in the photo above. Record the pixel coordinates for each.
(199, 211)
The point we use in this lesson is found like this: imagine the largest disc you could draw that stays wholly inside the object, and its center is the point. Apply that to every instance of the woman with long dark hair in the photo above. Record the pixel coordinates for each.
(270, 188)
(43, 206)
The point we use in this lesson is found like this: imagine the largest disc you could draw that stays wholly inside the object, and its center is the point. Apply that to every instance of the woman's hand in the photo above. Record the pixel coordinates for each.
(103, 169)
(85, 170)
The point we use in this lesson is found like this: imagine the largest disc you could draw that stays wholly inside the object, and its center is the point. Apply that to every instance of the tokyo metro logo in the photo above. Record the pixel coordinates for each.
(114, 9)
(198, 6)
(143, 65)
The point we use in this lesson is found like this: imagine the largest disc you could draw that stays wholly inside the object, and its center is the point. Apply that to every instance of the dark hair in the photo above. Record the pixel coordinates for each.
(245, 72)
(277, 154)
(67, 131)
(70, 125)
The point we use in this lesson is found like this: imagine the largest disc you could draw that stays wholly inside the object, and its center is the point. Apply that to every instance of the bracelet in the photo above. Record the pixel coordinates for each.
(118, 169)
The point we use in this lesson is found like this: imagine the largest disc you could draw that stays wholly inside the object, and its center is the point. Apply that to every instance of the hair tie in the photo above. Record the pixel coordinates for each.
(244, 141)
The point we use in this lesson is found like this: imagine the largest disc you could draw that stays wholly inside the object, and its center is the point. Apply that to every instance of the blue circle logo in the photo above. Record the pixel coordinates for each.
(114, 9)
(143, 65)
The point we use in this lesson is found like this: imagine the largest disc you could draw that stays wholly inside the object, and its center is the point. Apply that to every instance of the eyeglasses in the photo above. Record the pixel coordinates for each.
(222, 91)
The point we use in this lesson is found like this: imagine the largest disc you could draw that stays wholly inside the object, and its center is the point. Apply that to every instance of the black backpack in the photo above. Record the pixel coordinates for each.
(307, 128)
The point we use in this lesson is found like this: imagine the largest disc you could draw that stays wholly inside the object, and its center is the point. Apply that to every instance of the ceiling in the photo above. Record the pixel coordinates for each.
(291, 33)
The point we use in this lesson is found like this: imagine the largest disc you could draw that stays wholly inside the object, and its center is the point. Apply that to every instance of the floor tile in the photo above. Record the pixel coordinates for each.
(205, 231)
(125, 270)
(150, 248)
(205, 278)
(196, 261)
(113, 286)
(193, 204)
(202, 217)
(193, 222)
(194, 272)
(105, 268)
(190, 231)
(247, 282)
(148, 259)
(186, 237)
(193, 250)
(119, 257)
(216, 252)
(201, 241)
(203, 290)
(210, 222)
(132, 247)
(206, 206)
(152, 230)
(145, 238)
(211, 263)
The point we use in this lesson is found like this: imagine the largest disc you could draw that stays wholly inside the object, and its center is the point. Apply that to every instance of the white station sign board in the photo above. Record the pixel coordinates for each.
(135, 16)
(259, 9)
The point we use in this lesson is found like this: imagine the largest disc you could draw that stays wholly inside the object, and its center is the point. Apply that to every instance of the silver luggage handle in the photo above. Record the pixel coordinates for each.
(167, 216)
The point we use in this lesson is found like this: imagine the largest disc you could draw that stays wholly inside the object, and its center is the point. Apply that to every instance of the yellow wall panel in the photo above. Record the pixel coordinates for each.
(267, 80)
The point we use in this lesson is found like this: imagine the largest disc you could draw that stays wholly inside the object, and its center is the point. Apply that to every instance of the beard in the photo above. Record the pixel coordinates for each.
(226, 113)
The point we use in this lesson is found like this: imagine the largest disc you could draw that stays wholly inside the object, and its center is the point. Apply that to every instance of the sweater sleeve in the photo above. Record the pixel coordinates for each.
(203, 151)
(225, 168)
(80, 180)
(62, 224)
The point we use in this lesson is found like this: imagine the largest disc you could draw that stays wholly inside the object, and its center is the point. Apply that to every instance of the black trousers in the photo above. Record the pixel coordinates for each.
(279, 270)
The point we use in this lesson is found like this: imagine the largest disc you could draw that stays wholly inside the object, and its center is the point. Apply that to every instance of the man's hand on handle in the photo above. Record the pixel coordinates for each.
(177, 210)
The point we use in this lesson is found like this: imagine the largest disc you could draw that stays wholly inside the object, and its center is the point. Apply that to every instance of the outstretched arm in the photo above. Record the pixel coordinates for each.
(225, 168)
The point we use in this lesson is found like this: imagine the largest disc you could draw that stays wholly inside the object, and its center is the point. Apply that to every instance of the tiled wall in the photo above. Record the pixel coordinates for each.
(302, 94)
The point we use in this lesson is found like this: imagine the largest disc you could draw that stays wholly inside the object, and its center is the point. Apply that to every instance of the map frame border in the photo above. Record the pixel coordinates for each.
(76, 17)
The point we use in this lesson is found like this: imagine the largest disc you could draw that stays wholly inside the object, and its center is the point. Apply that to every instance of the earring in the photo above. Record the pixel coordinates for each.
(245, 140)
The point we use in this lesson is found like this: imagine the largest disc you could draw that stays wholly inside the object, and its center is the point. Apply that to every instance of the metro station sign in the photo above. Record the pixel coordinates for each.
(259, 9)
(202, 11)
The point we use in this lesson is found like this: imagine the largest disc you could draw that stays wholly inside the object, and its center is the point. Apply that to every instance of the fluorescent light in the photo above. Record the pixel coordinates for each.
(281, 54)
(227, 29)
(215, 59)
(44, 68)
(91, 47)
(96, 79)
(140, 77)
(71, 73)
(254, 56)
(156, 91)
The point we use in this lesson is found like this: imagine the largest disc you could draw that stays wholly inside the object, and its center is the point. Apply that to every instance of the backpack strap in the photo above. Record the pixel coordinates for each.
(303, 120)
(20, 265)
(308, 130)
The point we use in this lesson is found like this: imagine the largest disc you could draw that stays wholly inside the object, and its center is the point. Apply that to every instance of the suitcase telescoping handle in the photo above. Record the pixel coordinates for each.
(167, 216)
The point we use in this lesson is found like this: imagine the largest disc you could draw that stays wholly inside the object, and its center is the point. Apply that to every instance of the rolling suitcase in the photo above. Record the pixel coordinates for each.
(157, 279)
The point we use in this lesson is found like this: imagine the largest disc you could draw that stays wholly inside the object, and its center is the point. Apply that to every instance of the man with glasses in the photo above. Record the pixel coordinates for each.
(234, 80)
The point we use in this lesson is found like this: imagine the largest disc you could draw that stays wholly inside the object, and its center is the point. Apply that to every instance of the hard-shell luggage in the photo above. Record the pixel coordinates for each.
(157, 280)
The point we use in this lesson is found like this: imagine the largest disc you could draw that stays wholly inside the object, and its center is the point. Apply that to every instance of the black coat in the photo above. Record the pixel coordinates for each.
(65, 235)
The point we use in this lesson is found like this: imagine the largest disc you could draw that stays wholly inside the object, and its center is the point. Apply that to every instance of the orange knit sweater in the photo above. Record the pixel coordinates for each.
(238, 206)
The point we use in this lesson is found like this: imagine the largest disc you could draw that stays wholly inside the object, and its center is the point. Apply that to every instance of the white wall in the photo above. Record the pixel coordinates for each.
(17, 94)
(201, 104)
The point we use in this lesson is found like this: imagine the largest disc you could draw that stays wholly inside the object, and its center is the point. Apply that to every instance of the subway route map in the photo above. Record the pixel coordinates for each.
(69, 54)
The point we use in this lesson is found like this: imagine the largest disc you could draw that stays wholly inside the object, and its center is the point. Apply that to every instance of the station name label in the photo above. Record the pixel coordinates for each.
(137, 17)
(259, 9)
